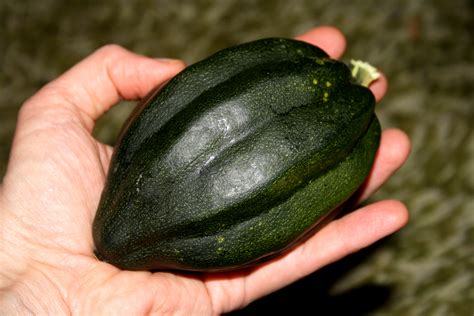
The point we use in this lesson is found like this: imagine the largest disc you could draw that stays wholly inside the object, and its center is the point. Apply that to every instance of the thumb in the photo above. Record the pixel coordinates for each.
(94, 85)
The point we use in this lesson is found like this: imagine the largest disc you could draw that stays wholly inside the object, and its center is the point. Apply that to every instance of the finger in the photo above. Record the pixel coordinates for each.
(328, 38)
(379, 87)
(98, 82)
(392, 153)
(333, 42)
(338, 239)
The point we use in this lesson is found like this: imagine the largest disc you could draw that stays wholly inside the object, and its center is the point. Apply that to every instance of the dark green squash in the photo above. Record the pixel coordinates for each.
(236, 159)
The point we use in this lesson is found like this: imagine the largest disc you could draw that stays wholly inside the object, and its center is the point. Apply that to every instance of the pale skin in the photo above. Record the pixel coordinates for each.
(55, 175)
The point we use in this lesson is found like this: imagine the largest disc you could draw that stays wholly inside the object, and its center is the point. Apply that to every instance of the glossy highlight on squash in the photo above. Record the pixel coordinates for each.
(236, 159)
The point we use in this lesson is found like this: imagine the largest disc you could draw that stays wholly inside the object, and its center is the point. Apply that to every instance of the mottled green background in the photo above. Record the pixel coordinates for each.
(424, 47)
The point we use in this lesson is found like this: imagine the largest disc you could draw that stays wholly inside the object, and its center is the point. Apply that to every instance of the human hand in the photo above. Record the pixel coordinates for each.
(53, 184)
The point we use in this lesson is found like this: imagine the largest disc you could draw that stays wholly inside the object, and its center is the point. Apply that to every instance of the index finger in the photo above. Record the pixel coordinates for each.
(328, 38)
(332, 41)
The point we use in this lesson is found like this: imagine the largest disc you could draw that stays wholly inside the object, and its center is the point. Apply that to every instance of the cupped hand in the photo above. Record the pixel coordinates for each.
(53, 183)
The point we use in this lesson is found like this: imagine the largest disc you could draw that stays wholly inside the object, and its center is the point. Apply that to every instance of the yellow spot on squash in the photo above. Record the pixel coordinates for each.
(220, 239)
(315, 81)
(328, 84)
(319, 61)
(325, 96)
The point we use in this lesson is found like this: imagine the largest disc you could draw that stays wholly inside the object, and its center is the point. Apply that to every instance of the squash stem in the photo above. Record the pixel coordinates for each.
(363, 72)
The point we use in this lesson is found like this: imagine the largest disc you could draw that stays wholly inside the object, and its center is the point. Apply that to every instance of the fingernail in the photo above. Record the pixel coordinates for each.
(169, 60)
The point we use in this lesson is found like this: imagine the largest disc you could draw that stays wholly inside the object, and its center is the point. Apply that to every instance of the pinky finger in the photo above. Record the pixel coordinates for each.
(338, 239)
(392, 153)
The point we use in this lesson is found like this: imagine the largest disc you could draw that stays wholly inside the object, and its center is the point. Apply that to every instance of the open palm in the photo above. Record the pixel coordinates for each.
(53, 183)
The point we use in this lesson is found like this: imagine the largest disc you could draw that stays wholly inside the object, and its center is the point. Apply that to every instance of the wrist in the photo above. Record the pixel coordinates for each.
(26, 284)
(12, 260)
(9, 272)
(13, 268)
(23, 287)
(30, 291)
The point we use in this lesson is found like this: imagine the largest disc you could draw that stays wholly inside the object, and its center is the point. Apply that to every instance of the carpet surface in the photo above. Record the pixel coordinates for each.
(424, 47)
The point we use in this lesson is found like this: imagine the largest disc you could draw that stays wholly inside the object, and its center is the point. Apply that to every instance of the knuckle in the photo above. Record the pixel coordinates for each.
(111, 50)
